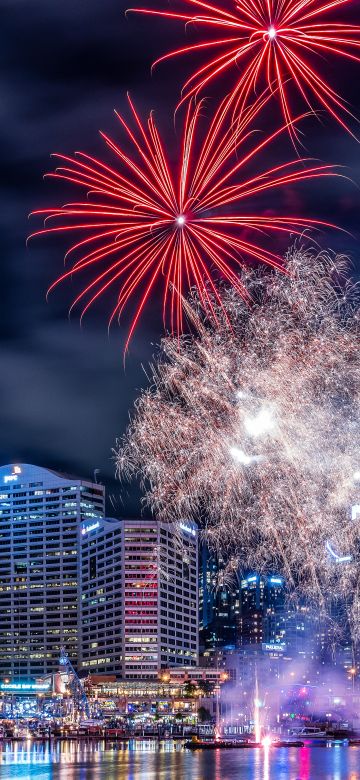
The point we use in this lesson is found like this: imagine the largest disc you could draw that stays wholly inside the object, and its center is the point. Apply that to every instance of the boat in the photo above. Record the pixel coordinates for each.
(287, 743)
(215, 744)
(311, 732)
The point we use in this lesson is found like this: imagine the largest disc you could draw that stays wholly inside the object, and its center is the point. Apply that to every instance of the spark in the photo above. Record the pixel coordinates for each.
(355, 511)
(279, 496)
(145, 224)
(284, 43)
(261, 424)
(336, 557)
(241, 457)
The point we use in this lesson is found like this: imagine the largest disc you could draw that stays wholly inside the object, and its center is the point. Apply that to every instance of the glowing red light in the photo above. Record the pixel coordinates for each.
(282, 42)
(143, 222)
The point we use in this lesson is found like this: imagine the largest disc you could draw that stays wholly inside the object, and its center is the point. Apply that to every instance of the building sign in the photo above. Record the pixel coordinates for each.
(274, 647)
(13, 476)
(24, 687)
(92, 527)
(188, 529)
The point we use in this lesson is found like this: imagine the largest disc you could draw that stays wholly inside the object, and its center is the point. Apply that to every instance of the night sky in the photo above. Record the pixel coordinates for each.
(65, 65)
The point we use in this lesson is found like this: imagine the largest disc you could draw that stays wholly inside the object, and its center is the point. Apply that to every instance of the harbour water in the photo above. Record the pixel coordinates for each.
(147, 760)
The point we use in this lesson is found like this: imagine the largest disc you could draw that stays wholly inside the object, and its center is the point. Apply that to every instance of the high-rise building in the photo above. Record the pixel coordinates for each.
(261, 620)
(302, 634)
(274, 611)
(40, 516)
(218, 606)
(101, 597)
(139, 603)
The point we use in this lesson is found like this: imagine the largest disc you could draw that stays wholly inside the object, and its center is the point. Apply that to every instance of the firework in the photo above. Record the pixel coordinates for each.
(282, 42)
(253, 431)
(146, 223)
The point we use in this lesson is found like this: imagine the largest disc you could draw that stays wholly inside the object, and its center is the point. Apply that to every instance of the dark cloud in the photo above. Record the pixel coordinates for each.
(64, 67)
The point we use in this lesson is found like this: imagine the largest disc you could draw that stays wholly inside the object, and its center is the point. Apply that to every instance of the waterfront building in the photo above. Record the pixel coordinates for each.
(302, 634)
(40, 515)
(139, 598)
(218, 607)
(101, 597)
(262, 617)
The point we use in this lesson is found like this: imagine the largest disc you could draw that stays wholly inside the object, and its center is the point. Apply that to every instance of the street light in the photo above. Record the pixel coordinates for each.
(352, 673)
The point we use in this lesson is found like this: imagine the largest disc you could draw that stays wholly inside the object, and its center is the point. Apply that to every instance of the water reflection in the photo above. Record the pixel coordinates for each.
(148, 760)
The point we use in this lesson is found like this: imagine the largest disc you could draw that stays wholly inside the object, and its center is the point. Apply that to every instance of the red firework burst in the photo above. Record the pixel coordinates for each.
(275, 40)
(145, 220)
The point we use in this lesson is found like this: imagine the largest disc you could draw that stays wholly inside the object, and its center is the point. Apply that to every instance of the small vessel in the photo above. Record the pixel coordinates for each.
(311, 732)
(287, 743)
(215, 744)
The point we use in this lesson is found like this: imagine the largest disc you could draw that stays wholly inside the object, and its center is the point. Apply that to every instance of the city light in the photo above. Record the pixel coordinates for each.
(188, 529)
(23, 687)
(92, 527)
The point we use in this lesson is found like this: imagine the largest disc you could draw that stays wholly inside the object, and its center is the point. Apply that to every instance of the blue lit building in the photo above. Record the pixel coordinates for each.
(40, 516)
(218, 607)
(262, 616)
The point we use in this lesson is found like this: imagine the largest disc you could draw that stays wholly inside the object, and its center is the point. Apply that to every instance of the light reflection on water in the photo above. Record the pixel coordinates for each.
(148, 760)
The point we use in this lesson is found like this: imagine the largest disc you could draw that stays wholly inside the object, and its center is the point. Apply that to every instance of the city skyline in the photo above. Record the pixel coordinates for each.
(180, 390)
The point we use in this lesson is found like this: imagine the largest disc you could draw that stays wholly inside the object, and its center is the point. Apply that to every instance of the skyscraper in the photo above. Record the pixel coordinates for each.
(218, 606)
(40, 513)
(101, 597)
(262, 618)
(139, 605)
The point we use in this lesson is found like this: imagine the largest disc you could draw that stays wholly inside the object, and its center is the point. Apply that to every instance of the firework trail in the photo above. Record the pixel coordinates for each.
(254, 431)
(145, 222)
(286, 43)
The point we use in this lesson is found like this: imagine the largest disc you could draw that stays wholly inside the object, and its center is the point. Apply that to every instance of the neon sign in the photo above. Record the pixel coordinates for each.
(88, 528)
(188, 529)
(13, 476)
(24, 686)
(274, 647)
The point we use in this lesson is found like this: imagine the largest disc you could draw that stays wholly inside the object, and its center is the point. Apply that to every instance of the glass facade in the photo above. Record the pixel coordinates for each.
(40, 516)
(139, 598)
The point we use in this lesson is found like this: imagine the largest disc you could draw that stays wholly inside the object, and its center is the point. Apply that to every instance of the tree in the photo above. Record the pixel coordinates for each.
(204, 716)
(206, 687)
(189, 690)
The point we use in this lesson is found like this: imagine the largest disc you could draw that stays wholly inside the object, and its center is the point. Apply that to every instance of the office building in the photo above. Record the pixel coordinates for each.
(262, 618)
(101, 597)
(40, 512)
(218, 606)
(139, 598)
